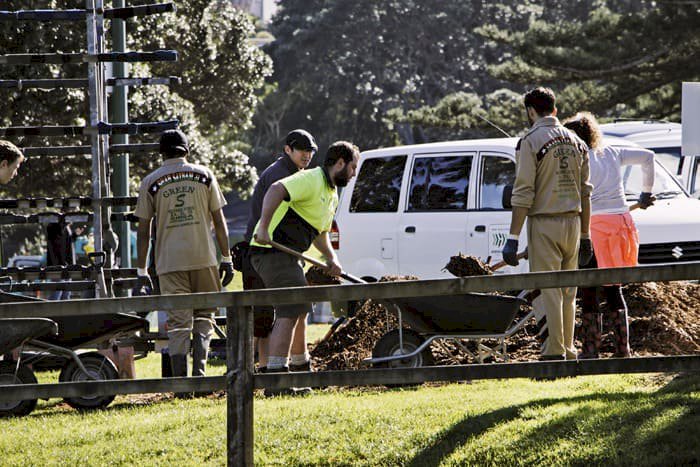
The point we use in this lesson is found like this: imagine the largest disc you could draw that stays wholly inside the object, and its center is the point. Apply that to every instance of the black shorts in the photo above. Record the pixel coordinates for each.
(280, 270)
(263, 315)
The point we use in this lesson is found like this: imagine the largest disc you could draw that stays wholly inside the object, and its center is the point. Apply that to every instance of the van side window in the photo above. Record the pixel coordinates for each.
(496, 173)
(378, 185)
(439, 183)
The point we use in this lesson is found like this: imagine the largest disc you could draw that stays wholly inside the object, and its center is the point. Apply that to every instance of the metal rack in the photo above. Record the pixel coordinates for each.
(95, 209)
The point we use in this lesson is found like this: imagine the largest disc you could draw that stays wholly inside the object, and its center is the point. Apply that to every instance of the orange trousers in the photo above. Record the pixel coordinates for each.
(615, 240)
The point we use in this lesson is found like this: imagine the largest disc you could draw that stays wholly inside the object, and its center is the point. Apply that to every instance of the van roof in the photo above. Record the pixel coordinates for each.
(493, 144)
(648, 134)
(507, 144)
(627, 128)
(658, 139)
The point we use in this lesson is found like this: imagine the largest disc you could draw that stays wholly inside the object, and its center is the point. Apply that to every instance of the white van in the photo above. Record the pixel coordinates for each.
(664, 138)
(412, 207)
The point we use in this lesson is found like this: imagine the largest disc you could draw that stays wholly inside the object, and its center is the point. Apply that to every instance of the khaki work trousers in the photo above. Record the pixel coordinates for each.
(183, 323)
(553, 244)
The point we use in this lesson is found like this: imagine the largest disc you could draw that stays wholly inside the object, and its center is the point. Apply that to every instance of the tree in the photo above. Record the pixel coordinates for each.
(221, 73)
(561, 48)
(341, 66)
(612, 62)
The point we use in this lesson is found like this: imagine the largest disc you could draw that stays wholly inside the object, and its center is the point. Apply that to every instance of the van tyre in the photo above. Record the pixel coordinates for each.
(98, 366)
(389, 345)
(23, 375)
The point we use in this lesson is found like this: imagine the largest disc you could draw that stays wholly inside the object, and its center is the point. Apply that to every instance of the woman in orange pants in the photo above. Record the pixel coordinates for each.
(613, 233)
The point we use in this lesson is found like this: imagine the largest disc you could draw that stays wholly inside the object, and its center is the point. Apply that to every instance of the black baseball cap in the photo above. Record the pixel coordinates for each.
(174, 141)
(301, 139)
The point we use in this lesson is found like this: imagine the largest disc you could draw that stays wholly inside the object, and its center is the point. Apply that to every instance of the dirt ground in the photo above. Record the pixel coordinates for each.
(664, 320)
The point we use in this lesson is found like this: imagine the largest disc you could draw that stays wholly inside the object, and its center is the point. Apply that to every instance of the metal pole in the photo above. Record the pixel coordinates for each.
(120, 114)
(239, 386)
(94, 96)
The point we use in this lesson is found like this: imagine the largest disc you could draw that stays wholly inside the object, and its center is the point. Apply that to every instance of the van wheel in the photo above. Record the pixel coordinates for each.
(99, 367)
(23, 375)
(389, 345)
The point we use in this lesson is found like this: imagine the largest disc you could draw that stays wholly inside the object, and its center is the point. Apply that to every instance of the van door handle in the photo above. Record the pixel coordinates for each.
(480, 228)
(410, 229)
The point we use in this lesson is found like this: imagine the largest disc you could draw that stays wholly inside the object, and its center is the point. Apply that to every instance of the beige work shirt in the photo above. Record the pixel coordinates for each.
(552, 170)
(181, 196)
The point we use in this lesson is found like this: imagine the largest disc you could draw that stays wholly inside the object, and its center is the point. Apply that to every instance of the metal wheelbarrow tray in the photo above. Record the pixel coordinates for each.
(470, 316)
(74, 332)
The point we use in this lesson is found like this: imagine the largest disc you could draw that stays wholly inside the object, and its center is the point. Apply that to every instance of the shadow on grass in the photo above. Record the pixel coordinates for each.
(618, 425)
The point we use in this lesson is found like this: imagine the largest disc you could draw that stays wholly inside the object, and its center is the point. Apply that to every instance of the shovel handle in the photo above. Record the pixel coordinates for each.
(314, 261)
(501, 264)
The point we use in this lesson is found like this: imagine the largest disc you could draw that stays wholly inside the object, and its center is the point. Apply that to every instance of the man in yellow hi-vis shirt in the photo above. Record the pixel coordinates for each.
(298, 211)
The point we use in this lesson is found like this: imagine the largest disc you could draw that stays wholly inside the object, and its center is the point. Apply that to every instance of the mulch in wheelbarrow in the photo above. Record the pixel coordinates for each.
(664, 320)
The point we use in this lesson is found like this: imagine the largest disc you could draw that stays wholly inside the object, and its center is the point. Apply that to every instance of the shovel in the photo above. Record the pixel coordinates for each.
(349, 277)
(315, 262)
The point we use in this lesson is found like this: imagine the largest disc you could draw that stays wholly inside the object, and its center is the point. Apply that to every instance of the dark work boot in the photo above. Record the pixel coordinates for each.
(178, 365)
(200, 349)
(591, 322)
(621, 333)
(590, 335)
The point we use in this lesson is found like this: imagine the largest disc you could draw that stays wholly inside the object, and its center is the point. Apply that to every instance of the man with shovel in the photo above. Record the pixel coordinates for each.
(553, 192)
(296, 212)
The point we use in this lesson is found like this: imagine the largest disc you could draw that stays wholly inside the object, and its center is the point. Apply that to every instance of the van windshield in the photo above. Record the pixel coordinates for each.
(665, 185)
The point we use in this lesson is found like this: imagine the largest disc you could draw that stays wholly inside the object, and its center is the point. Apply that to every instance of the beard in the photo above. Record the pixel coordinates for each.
(341, 180)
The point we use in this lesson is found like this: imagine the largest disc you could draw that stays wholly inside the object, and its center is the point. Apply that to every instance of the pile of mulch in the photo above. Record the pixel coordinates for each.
(664, 317)
(354, 340)
(664, 320)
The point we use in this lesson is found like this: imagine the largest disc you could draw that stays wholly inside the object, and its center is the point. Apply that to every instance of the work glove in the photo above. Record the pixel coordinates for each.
(144, 285)
(238, 252)
(645, 200)
(226, 270)
(510, 252)
(585, 252)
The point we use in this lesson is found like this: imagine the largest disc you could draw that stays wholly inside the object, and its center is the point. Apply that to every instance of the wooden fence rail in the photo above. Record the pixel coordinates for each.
(365, 377)
(240, 382)
(381, 290)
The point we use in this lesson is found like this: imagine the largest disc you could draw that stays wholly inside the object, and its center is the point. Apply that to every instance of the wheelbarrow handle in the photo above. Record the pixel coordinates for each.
(314, 261)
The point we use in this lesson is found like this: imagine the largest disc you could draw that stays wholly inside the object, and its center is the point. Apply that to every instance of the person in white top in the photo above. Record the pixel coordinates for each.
(614, 235)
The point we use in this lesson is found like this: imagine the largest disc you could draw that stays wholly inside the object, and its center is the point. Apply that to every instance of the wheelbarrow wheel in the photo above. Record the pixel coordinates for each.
(389, 345)
(23, 375)
(99, 367)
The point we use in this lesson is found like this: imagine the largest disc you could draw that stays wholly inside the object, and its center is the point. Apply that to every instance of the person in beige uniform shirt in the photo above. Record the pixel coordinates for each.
(185, 200)
(552, 190)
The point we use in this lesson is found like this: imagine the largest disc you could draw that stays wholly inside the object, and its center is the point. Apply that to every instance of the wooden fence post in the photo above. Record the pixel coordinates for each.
(239, 386)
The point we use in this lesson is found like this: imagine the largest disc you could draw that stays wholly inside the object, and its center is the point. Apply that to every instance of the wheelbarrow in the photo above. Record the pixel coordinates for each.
(14, 333)
(73, 333)
(470, 316)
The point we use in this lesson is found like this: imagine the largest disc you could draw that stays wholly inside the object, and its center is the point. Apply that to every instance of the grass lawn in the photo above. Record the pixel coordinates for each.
(601, 420)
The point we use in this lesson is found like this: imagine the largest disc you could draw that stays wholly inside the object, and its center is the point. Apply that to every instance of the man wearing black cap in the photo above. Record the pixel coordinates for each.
(299, 149)
(185, 200)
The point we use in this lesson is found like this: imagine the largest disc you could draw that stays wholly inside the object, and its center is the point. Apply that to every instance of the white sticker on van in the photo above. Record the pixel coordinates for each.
(498, 234)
